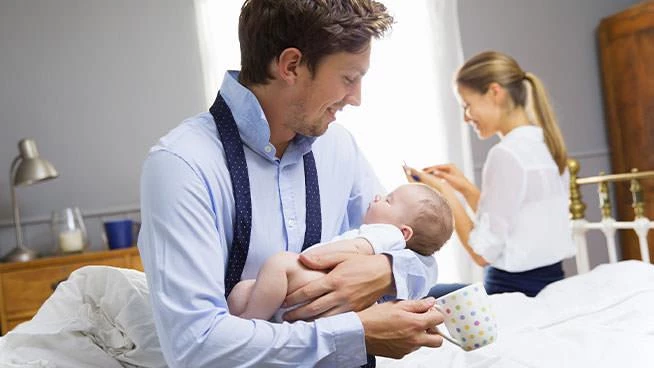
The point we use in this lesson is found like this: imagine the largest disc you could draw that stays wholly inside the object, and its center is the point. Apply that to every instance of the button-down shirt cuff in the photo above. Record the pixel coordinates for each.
(413, 274)
(401, 284)
(347, 333)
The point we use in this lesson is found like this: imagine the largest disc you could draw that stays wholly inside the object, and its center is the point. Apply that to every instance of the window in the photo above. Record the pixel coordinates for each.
(408, 109)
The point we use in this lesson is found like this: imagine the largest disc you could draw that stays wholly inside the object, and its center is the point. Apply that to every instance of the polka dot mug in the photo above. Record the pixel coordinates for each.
(468, 316)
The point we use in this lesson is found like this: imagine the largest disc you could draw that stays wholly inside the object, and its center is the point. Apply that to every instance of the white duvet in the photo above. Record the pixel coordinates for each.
(101, 317)
(604, 318)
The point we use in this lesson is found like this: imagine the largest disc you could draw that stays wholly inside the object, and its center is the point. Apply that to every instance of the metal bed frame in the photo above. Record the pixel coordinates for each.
(608, 225)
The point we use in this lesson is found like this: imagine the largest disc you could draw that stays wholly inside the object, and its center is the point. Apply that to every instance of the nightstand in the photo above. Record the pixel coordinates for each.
(25, 286)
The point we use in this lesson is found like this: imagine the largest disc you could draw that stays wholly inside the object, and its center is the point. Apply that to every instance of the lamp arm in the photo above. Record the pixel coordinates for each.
(14, 204)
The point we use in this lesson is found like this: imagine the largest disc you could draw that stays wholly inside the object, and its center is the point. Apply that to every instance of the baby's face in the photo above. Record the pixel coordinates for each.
(395, 208)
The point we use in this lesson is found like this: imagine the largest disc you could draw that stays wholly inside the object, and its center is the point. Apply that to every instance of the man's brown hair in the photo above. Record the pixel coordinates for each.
(315, 27)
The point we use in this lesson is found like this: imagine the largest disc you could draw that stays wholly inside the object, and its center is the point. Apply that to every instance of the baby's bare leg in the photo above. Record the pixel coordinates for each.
(281, 274)
(238, 298)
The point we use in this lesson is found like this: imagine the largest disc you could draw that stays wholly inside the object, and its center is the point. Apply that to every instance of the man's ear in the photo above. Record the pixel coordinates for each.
(407, 232)
(287, 65)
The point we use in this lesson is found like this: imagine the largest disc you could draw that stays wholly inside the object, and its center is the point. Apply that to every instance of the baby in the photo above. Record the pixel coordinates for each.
(412, 216)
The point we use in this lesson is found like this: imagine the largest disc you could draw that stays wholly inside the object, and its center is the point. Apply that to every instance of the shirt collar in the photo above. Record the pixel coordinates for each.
(525, 131)
(251, 120)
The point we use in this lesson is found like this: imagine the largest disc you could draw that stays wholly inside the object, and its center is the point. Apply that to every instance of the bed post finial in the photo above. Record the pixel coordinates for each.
(577, 207)
(638, 201)
(604, 200)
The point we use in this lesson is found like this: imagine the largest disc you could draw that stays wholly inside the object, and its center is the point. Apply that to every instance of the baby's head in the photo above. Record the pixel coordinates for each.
(420, 212)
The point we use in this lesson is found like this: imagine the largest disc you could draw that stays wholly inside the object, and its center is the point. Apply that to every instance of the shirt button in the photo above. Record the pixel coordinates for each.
(268, 149)
(291, 223)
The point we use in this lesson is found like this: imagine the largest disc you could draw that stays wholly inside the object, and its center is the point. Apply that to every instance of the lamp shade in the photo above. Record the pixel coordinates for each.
(31, 168)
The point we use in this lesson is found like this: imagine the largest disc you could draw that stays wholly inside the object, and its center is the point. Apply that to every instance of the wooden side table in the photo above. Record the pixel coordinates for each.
(25, 286)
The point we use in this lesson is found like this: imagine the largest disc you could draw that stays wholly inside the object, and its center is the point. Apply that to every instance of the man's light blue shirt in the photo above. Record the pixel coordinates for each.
(187, 228)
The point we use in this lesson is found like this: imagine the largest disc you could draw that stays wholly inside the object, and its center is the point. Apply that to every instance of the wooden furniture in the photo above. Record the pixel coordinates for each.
(25, 286)
(626, 42)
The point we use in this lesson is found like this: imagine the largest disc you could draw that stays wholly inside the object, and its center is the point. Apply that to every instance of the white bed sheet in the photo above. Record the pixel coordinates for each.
(604, 318)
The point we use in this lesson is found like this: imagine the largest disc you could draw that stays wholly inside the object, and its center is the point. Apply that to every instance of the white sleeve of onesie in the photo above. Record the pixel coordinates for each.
(382, 237)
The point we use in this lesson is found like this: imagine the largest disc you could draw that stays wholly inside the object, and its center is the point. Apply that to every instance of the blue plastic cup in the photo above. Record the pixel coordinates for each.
(119, 233)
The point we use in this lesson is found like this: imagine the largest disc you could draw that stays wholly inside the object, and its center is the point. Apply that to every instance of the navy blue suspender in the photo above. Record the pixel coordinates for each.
(238, 172)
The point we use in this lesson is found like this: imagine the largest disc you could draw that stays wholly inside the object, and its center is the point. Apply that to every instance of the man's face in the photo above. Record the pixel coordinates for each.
(396, 208)
(336, 82)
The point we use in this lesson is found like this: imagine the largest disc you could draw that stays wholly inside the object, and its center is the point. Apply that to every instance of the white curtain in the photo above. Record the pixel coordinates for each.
(408, 109)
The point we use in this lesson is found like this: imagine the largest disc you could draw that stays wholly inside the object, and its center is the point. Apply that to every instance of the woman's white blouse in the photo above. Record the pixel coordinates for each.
(522, 217)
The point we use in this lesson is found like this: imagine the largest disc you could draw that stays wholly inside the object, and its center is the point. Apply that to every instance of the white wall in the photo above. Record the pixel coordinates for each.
(556, 40)
(95, 83)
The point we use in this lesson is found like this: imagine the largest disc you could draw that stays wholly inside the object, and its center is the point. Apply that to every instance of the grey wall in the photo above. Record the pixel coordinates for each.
(555, 40)
(95, 83)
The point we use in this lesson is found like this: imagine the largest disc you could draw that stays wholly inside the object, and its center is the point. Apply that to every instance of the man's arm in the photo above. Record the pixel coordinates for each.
(184, 255)
(392, 329)
(355, 245)
(354, 283)
(402, 273)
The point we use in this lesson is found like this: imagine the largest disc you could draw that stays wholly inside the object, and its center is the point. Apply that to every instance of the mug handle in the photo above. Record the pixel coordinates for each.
(438, 332)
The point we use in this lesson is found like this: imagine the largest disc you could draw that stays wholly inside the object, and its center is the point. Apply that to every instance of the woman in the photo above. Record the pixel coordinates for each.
(521, 229)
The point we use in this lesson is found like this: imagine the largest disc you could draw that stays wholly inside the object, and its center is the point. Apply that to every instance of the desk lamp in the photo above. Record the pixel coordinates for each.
(26, 169)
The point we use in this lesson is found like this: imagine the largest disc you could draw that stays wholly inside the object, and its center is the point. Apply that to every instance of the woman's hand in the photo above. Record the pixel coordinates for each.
(442, 186)
(453, 176)
(462, 223)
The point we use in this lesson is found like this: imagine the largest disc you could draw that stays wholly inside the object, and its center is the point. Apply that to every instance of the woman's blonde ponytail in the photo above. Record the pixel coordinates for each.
(546, 119)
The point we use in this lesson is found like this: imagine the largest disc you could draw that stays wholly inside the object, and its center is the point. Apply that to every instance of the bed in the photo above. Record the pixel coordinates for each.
(100, 317)
(602, 318)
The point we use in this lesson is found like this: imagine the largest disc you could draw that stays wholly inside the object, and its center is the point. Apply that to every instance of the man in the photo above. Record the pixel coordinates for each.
(229, 188)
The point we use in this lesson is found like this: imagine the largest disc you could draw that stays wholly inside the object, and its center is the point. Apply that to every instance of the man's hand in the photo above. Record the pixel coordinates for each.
(353, 284)
(394, 329)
